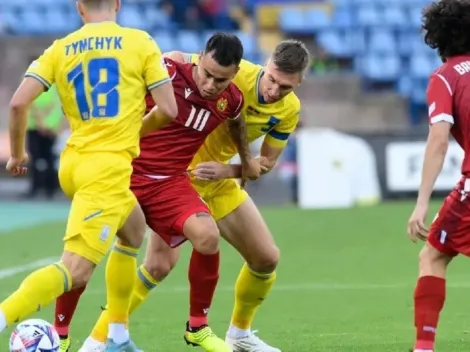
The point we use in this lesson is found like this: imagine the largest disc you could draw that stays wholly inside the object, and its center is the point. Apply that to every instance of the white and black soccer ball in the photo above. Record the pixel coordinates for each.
(34, 335)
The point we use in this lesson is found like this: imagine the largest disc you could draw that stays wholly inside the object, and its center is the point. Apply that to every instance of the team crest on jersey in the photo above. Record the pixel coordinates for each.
(222, 104)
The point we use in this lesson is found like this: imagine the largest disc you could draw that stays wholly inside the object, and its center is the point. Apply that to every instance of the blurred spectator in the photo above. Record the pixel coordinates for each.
(323, 63)
(45, 121)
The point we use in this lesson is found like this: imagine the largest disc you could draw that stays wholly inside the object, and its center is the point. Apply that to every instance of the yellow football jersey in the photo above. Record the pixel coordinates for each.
(276, 121)
(102, 72)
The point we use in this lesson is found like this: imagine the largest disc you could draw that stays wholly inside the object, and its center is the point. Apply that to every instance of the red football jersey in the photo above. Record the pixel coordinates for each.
(448, 98)
(169, 151)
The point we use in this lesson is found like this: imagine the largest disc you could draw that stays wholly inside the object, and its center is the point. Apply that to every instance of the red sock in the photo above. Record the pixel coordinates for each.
(430, 294)
(203, 277)
(65, 308)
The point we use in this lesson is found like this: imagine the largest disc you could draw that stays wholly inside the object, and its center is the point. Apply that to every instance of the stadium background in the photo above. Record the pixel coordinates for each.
(347, 274)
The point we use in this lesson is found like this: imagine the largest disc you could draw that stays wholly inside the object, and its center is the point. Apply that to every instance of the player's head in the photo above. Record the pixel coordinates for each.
(98, 10)
(218, 64)
(285, 70)
(446, 26)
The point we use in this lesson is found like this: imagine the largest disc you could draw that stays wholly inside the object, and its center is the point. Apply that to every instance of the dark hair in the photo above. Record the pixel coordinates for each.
(291, 56)
(226, 49)
(446, 27)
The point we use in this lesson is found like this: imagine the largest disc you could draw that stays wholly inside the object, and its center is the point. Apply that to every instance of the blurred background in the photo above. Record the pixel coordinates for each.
(365, 89)
(359, 148)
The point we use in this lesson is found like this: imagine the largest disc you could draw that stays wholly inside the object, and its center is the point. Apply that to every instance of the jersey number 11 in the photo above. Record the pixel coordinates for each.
(106, 89)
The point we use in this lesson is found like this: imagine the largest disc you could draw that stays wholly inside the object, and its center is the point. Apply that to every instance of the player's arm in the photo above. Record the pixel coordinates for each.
(159, 85)
(273, 145)
(441, 119)
(38, 78)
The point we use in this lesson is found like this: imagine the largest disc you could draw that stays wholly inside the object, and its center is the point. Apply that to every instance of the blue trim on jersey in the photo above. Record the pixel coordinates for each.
(157, 84)
(282, 136)
(260, 97)
(42, 80)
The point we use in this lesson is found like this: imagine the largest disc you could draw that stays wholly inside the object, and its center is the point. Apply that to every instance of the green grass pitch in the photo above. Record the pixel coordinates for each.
(345, 283)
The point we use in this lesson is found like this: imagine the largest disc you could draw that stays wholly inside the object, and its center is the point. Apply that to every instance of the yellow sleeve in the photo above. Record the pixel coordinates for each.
(279, 135)
(155, 72)
(42, 69)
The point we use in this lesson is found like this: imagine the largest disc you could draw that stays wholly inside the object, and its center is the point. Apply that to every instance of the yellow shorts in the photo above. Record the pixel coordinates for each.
(98, 185)
(222, 197)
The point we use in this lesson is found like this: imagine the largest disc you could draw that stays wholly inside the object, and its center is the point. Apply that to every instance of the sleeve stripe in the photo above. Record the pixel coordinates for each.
(445, 82)
(442, 118)
(158, 83)
(38, 78)
(235, 117)
(282, 136)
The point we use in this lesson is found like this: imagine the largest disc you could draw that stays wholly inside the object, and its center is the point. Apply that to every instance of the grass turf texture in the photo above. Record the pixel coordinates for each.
(345, 283)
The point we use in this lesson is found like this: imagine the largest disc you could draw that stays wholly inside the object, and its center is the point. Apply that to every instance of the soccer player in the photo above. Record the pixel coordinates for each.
(271, 109)
(102, 73)
(446, 24)
(206, 98)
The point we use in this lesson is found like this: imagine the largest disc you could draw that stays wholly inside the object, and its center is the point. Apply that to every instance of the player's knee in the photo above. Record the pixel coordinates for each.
(133, 232)
(432, 262)
(205, 237)
(267, 261)
(159, 267)
(80, 269)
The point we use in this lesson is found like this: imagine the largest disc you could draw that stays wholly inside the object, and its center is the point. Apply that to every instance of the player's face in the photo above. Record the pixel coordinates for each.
(276, 84)
(211, 78)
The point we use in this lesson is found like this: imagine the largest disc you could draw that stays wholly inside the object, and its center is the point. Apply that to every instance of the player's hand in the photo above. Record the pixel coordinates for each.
(211, 171)
(417, 229)
(251, 170)
(17, 166)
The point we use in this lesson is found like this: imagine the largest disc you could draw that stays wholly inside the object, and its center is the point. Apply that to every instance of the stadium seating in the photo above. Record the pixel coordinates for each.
(57, 17)
(381, 38)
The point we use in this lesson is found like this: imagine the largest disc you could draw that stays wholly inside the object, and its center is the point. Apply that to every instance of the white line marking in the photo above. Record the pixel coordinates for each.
(18, 269)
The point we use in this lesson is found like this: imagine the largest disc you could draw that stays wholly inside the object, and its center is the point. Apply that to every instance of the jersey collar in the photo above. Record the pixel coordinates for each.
(258, 79)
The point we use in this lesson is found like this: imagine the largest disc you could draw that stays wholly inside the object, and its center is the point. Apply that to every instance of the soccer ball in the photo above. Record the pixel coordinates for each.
(34, 335)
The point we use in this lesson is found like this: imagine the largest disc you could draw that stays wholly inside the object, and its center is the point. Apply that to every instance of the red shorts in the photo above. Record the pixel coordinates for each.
(450, 230)
(167, 204)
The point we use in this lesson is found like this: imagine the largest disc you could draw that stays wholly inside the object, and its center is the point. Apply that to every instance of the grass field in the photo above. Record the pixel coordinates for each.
(345, 283)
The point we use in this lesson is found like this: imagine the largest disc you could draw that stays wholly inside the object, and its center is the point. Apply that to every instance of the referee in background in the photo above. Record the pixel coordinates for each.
(44, 123)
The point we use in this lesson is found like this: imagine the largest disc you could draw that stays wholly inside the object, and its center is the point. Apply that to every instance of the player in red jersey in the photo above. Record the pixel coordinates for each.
(173, 209)
(447, 26)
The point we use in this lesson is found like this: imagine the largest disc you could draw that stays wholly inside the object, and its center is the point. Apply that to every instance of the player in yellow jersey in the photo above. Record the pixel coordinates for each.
(102, 73)
(271, 109)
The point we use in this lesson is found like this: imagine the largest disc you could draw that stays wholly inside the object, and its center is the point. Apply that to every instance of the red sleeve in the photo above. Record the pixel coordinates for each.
(439, 98)
(238, 103)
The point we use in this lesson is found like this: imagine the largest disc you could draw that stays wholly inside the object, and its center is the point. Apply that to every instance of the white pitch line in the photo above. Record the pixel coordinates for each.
(18, 269)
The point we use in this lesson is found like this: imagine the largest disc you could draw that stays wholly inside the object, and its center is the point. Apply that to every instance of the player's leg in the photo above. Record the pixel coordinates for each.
(121, 274)
(43, 286)
(201, 230)
(429, 296)
(159, 260)
(245, 229)
(448, 235)
(65, 308)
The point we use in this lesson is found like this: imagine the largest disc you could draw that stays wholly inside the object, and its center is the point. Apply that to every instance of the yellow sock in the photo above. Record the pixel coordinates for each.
(120, 278)
(143, 285)
(251, 290)
(38, 290)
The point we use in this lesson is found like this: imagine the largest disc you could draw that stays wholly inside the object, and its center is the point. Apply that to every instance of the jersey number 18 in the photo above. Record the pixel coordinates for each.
(108, 88)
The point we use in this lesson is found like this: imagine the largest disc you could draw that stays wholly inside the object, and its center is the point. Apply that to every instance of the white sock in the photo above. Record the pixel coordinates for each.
(238, 333)
(422, 350)
(3, 321)
(118, 333)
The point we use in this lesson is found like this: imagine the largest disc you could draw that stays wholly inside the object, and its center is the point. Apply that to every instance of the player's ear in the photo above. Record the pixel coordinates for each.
(118, 5)
(79, 8)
